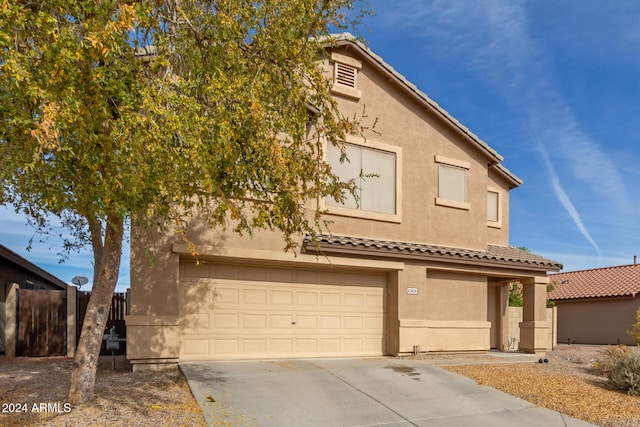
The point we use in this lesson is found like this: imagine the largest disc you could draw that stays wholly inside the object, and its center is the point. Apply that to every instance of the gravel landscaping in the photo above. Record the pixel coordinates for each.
(34, 391)
(571, 383)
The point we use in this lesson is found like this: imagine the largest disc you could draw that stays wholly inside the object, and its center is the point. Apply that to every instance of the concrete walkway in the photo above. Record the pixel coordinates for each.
(356, 392)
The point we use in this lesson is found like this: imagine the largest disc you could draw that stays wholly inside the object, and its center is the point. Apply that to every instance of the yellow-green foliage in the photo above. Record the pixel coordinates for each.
(158, 111)
(122, 109)
(634, 333)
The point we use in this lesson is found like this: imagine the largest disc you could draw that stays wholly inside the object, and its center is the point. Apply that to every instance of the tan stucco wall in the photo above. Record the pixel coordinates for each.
(597, 322)
(514, 317)
(402, 121)
(499, 235)
(448, 310)
(152, 323)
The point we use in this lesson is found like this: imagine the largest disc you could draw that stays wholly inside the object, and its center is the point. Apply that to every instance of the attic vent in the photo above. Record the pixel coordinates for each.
(345, 71)
(345, 74)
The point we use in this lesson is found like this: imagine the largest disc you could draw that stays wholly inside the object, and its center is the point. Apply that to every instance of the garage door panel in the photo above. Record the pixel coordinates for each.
(306, 321)
(254, 346)
(374, 323)
(281, 346)
(307, 299)
(255, 319)
(279, 321)
(282, 298)
(225, 347)
(373, 302)
(306, 345)
(330, 322)
(195, 347)
(354, 322)
(196, 297)
(254, 297)
(225, 297)
(353, 344)
(196, 321)
(330, 300)
(354, 301)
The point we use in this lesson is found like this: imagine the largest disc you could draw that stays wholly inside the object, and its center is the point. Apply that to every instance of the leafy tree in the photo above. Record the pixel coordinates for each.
(150, 111)
(515, 294)
(515, 288)
(634, 332)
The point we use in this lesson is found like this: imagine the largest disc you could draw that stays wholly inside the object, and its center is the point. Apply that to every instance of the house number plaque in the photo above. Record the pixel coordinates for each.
(412, 291)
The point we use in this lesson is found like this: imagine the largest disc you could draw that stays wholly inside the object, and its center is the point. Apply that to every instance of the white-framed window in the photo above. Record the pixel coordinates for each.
(375, 169)
(452, 182)
(494, 208)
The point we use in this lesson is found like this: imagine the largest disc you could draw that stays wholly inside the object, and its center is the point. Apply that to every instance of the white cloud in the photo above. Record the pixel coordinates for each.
(565, 201)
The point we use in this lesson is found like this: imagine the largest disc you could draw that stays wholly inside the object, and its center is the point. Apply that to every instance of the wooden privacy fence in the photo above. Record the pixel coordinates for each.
(42, 323)
(117, 314)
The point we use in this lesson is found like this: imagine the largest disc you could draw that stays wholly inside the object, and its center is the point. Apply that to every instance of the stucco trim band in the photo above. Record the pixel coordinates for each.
(244, 255)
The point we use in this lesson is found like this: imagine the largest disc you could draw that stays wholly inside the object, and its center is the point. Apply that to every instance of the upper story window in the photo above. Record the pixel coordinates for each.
(375, 168)
(494, 210)
(452, 183)
(345, 75)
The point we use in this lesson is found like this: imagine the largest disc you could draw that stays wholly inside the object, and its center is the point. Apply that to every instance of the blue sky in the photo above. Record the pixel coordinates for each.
(552, 85)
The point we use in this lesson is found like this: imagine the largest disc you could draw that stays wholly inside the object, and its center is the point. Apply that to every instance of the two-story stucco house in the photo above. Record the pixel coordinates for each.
(421, 263)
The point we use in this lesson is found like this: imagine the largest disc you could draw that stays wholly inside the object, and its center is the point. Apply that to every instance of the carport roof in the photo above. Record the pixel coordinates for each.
(495, 255)
(618, 281)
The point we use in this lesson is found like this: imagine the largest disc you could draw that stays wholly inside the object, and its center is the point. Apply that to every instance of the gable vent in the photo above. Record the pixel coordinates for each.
(345, 74)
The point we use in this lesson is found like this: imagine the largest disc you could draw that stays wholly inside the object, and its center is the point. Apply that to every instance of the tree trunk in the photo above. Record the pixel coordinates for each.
(107, 268)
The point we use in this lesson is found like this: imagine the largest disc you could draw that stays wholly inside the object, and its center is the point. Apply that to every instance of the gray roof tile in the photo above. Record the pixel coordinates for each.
(500, 254)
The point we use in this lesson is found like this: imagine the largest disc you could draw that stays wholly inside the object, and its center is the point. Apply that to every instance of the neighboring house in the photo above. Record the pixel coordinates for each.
(37, 310)
(596, 306)
(422, 263)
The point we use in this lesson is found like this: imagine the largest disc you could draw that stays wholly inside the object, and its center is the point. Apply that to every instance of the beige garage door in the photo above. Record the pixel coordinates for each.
(257, 312)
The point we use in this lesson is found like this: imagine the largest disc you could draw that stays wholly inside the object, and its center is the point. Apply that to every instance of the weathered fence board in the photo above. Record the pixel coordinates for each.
(117, 314)
(42, 323)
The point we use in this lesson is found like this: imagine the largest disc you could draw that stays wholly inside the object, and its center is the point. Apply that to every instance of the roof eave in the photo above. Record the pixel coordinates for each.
(339, 249)
(511, 178)
(23, 263)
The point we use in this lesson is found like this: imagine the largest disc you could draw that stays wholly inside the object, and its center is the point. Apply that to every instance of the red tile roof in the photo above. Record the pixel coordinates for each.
(623, 280)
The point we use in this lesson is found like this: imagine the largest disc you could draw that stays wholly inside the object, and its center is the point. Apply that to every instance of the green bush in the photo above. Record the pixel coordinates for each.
(634, 333)
(515, 294)
(624, 371)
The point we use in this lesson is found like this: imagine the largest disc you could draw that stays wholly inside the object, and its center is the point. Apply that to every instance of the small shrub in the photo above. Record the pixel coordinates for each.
(634, 333)
(624, 370)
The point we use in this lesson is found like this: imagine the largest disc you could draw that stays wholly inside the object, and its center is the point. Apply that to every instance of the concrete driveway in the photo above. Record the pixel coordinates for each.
(354, 392)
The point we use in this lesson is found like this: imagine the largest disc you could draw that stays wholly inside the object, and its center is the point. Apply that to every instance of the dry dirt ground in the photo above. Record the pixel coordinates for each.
(569, 383)
(123, 398)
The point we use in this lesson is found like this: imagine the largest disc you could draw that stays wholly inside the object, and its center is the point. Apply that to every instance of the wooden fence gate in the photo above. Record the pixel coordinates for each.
(42, 323)
(117, 313)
